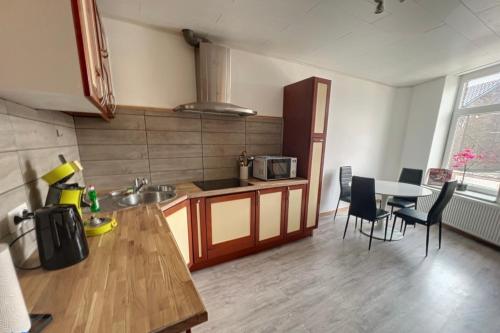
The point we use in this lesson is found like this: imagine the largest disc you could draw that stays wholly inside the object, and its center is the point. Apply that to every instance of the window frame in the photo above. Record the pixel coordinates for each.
(458, 112)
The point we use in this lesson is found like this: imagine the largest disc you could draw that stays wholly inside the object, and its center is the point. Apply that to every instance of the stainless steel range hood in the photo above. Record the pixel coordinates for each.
(213, 80)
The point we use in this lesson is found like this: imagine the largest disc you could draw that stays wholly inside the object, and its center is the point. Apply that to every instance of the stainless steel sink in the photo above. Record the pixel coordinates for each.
(145, 197)
(148, 194)
(159, 188)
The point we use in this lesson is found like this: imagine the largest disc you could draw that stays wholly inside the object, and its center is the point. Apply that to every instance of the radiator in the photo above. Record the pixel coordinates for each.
(475, 217)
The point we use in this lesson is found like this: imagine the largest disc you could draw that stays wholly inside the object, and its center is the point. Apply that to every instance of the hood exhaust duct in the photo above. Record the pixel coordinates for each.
(213, 79)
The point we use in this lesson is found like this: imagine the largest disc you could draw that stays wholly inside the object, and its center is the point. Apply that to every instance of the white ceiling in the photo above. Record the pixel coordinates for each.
(410, 42)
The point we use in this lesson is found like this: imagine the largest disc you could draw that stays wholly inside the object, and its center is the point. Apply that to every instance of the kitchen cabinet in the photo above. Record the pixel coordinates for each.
(57, 57)
(179, 221)
(198, 226)
(230, 223)
(295, 207)
(305, 122)
(271, 204)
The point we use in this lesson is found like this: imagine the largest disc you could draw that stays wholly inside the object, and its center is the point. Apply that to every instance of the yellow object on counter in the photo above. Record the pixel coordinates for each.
(105, 225)
(73, 197)
(61, 172)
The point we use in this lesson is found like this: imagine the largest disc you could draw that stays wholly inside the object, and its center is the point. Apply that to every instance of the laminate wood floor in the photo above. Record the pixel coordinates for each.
(324, 284)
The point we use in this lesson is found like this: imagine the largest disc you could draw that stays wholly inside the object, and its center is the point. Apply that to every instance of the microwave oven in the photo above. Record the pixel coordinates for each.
(274, 167)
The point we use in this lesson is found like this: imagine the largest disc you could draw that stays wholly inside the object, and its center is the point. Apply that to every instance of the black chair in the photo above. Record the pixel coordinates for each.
(364, 205)
(408, 176)
(345, 178)
(413, 216)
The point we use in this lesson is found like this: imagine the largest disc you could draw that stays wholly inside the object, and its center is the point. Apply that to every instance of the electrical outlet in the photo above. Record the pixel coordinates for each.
(18, 211)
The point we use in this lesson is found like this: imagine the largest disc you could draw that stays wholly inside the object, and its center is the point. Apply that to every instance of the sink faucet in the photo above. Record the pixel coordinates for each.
(138, 184)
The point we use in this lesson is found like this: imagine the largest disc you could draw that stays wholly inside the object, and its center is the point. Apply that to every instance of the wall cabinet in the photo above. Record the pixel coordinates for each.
(179, 221)
(230, 223)
(305, 121)
(271, 205)
(93, 55)
(57, 57)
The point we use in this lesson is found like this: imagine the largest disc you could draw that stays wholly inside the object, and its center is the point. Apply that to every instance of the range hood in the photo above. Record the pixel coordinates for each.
(213, 79)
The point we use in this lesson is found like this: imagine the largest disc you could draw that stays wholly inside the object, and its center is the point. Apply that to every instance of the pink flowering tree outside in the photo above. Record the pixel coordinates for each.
(462, 158)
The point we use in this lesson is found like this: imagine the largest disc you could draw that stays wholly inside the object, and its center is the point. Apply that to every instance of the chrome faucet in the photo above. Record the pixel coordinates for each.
(138, 184)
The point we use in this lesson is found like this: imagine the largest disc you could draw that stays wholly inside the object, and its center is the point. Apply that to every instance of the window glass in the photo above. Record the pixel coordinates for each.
(481, 92)
(478, 135)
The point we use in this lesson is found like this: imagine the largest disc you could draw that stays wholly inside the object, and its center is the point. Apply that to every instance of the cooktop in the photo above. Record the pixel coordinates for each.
(218, 184)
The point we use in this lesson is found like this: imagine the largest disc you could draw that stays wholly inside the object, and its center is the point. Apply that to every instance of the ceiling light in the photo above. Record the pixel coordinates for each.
(379, 9)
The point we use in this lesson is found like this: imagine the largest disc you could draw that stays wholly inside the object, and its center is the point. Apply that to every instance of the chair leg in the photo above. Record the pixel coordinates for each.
(346, 223)
(401, 226)
(371, 236)
(386, 224)
(361, 225)
(356, 223)
(336, 209)
(427, 240)
(392, 210)
(440, 223)
(404, 231)
(393, 224)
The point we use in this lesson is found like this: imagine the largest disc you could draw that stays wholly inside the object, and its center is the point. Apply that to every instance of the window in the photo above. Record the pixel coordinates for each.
(476, 127)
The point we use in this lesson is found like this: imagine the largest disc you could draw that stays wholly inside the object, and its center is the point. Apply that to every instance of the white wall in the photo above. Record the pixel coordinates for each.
(443, 121)
(149, 67)
(428, 124)
(366, 122)
(422, 117)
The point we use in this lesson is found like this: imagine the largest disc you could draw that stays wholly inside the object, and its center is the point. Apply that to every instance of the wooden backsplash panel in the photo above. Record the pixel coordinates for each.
(177, 147)
(30, 142)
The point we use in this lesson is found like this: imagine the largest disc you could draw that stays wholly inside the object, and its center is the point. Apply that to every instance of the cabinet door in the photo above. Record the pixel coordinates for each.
(270, 214)
(93, 55)
(198, 227)
(320, 112)
(108, 102)
(314, 187)
(230, 223)
(179, 222)
(295, 209)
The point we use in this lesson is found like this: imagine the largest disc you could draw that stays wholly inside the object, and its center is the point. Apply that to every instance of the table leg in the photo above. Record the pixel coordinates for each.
(379, 229)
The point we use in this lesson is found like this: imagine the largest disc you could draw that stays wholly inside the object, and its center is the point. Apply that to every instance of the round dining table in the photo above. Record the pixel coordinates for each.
(388, 189)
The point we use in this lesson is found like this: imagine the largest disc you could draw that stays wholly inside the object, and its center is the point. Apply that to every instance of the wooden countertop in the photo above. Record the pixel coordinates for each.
(134, 280)
(189, 190)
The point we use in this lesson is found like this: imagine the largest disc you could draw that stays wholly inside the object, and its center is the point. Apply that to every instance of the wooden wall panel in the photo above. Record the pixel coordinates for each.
(30, 141)
(179, 147)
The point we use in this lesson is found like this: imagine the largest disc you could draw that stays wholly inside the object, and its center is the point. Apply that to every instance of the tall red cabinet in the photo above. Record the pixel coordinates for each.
(305, 120)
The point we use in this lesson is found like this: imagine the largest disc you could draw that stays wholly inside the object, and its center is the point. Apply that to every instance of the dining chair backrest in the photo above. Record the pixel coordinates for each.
(363, 203)
(345, 178)
(436, 211)
(410, 176)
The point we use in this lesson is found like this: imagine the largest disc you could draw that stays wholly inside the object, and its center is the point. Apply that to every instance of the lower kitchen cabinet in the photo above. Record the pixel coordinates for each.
(295, 206)
(230, 223)
(271, 204)
(199, 228)
(179, 221)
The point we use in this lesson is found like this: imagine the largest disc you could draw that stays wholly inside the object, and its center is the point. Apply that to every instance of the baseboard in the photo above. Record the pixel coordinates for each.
(332, 212)
(470, 236)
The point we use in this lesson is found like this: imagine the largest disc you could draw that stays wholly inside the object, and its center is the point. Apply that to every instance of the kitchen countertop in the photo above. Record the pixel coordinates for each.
(189, 190)
(134, 280)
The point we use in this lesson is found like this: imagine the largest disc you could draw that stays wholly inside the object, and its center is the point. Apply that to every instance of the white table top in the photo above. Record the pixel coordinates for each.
(385, 187)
